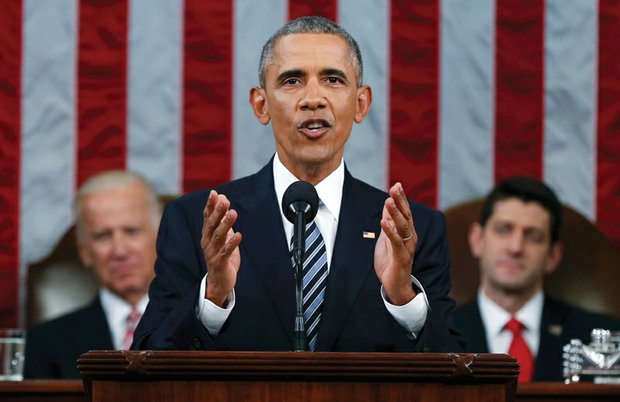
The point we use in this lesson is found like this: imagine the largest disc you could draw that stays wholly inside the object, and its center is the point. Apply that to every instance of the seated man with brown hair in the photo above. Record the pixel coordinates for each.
(517, 244)
(117, 218)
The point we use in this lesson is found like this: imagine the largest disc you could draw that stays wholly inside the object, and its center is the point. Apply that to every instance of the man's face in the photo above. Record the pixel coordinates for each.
(118, 240)
(514, 247)
(311, 99)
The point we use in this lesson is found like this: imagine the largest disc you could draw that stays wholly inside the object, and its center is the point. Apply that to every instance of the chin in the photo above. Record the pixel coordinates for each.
(508, 283)
(316, 159)
(514, 287)
(129, 287)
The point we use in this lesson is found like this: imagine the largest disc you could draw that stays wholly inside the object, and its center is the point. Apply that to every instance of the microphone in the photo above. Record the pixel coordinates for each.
(300, 204)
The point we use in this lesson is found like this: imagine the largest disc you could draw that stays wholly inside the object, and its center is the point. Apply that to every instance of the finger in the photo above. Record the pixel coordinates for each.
(221, 232)
(400, 212)
(213, 218)
(231, 244)
(400, 199)
(401, 224)
(207, 212)
(388, 227)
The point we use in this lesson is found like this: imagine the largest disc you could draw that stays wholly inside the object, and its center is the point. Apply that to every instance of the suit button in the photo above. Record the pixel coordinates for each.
(196, 343)
(425, 348)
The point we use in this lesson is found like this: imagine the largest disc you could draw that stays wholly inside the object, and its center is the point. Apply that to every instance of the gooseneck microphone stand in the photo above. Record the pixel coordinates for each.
(299, 247)
(300, 204)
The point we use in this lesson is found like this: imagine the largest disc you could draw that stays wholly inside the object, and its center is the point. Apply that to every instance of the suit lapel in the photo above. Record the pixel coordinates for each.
(477, 338)
(551, 341)
(267, 252)
(352, 259)
(95, 323)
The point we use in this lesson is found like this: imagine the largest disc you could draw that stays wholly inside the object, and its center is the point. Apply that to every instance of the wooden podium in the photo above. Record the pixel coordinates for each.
(292, 376)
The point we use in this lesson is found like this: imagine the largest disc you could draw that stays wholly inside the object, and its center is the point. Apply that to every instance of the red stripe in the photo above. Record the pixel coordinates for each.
(102, 93)
(414, 80)
(608, 130)
(207, 116)
(519, 88)
(324, 8)
(10, 128)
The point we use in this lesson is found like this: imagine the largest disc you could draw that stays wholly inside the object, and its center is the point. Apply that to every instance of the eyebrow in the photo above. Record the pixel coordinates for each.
(284, 75)
(334, 72)
(297, 72)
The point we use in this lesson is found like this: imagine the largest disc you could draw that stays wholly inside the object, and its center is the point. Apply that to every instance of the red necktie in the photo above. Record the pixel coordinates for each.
(520, 351)
(130, 324)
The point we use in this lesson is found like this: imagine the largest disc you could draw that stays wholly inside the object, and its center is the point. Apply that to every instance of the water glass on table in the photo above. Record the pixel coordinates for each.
(12, 346)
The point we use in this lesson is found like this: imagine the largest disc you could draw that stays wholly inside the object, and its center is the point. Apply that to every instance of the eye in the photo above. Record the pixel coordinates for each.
(132, 231)
(291, 81)
(102, 236)
(535, 236)
(334, 80)
(502, 228)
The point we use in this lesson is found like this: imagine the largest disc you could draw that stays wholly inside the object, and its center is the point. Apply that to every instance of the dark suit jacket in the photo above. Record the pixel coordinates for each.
(354, 317)
(52, 348)
(561, 322)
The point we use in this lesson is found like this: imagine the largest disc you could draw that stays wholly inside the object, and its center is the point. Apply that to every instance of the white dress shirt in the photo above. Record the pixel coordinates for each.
(411, 316)
(495, 318)
(116, 311)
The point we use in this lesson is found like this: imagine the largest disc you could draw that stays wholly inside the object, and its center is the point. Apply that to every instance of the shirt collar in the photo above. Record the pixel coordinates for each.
(495, 317)
(329, 189)
(117, 309)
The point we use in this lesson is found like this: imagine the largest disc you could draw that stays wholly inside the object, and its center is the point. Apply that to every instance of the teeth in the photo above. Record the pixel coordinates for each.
(314, 126)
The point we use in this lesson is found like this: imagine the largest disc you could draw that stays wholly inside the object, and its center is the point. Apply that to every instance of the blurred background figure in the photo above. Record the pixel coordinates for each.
(117, 218)
(517, 243)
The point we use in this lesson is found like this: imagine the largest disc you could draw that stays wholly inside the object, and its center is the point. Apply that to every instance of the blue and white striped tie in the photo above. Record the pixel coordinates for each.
(314, 281)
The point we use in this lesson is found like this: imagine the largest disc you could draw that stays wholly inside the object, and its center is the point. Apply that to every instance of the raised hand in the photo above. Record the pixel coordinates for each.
(220, 246)
(395, 247)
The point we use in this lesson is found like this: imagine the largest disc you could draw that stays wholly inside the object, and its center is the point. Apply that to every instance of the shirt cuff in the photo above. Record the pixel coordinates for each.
(412, 315)
(210, 314)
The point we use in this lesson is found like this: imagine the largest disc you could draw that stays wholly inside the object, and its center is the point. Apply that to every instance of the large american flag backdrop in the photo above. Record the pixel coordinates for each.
(466, 92)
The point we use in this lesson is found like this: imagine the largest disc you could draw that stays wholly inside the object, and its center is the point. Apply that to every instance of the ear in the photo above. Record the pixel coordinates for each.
(475, 239)
(84, 253)
(364, 99)
(258, 101)
(555, 256)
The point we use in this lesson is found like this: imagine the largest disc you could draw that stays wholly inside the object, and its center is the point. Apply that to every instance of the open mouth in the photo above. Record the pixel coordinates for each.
(314, 128)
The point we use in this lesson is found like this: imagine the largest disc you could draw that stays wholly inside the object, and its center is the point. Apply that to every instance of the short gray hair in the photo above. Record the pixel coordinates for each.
(113, 180)
(315, 25)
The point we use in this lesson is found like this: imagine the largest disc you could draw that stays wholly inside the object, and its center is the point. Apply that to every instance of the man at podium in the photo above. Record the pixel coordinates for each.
(377, 277)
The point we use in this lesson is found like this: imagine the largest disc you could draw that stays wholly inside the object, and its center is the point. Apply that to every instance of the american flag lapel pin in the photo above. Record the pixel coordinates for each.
(368, 235)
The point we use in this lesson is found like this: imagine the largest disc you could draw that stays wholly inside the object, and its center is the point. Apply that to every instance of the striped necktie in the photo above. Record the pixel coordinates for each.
(314, 281)
(130, 326)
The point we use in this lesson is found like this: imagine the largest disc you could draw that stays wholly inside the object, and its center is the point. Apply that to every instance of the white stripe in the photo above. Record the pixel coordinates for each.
(48, 125)
(255, 22)
(47, 172)
(366, 152)
(466, 100)
(320, 283)
(570, 102)
(154, 92)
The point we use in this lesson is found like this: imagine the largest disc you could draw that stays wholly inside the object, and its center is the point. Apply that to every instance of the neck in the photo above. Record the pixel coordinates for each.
(312, 176)
(133, 298)
(310, 172)
(511, 301)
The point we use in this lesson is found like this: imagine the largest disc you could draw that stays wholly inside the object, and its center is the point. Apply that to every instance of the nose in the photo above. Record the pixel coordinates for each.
(119, 245)
(313, 97)
(516, 241)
